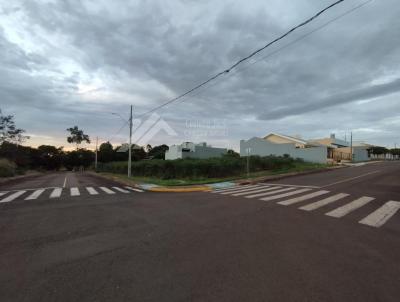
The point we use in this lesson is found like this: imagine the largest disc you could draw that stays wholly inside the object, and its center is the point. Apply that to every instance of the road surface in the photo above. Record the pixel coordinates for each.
(220, 246)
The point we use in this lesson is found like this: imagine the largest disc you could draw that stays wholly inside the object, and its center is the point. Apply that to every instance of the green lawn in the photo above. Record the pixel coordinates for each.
(298, 167)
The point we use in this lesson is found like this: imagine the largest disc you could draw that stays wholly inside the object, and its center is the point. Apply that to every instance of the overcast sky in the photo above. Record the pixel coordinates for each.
(66, 63)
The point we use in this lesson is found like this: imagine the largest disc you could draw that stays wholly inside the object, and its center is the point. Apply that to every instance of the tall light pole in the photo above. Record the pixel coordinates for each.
(130, 121)
(130, 145)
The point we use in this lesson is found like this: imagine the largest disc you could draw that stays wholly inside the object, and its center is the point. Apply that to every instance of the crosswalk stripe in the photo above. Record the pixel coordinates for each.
(256, 191)
(121, 190)
(269, 192)
(381, 215)
(92, 191)
(75, 191)
(284, 194)
(350, 207)
(241, 190)
(234, 188)
(134, 189)
(107, 190)
(35, 194)
(12, 196)
(3, 193)
(323, 202)
(302, 198)
(56, 193)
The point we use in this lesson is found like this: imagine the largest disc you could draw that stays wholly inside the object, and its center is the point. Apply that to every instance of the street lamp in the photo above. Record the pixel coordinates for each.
(130, 140)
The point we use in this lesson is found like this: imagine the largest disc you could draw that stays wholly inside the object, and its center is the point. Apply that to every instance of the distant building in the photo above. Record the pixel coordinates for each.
(318, 150)
(280, 145)
(191, 150)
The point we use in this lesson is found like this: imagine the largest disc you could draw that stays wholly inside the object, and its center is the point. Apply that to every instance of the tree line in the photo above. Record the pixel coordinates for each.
(49, 157)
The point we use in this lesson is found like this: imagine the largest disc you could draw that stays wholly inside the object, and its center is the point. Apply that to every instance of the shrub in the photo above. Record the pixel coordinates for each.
(7, 168)
(226, 166)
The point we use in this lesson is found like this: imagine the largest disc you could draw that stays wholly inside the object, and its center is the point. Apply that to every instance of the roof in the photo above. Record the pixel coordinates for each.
(291, 138)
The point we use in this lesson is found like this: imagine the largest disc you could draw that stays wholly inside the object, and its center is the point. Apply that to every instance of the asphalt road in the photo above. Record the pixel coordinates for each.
(201, 246)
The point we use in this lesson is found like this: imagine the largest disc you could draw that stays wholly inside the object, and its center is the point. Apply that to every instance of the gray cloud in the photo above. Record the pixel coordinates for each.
(72, 62)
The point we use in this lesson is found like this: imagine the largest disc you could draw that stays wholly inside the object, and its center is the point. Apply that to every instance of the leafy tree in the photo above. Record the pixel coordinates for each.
(78, 158)
(158, 152)
(8, 130)
(77, 136)
(50, 157)
(232, 153)
(378, 150)
(106, 153)
(148, 148)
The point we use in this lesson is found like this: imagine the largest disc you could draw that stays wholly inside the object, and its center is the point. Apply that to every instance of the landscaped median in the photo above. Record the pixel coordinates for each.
(194, 175)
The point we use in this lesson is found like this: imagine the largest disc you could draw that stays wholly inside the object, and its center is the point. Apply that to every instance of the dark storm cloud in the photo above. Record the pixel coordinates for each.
(73, 61)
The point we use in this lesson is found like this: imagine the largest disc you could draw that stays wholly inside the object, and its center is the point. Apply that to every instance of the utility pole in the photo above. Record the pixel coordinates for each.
(248, 162)
(130, 145)
(351, 146)
(95, 161)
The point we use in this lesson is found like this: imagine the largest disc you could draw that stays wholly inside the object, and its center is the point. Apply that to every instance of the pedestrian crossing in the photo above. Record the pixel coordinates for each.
(54, 193)
(312, 199)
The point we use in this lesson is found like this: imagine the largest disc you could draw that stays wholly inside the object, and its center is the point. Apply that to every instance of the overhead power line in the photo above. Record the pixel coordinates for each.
(287, 45)
(245, 58)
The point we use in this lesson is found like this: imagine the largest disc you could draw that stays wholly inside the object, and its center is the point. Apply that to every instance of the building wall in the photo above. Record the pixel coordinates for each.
(359, 153)
(205, 152)
(200, 151)
(263, 147)
(174, 152)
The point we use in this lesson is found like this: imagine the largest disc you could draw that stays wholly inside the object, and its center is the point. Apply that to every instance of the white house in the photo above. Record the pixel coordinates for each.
(317, 151)
(191, 150)
(279, 145)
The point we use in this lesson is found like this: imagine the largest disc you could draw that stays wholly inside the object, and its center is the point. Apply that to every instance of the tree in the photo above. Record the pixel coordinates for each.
(158, 152)
(50, 157)
(77, 136)
(78, 158)
(9, 132)
(106, 152)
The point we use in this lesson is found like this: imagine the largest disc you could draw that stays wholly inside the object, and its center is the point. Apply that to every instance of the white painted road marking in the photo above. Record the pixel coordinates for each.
(352, 178)
(121, 190)
(237, 190)
(382, 215)
(323, 202)
(12, 196)
(134, 189)
(284, 194)
(3, 193)
(92, 191)
(302, 198)
(285, 185)
(107, 190)
(242, 190)
(65, 182)
(35, 194)
(232, 188)
(350, 207)
(75, 191)
(270, 192)
(56, 193)
(256, 191)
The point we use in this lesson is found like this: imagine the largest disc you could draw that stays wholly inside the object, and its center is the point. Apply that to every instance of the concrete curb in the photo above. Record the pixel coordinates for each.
(181, 189)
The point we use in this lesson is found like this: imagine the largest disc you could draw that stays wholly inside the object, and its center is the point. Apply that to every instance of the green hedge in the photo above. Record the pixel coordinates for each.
(198, 168)
(7, 168)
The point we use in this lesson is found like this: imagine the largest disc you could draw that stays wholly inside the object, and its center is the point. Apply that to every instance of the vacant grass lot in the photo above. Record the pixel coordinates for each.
(195, 171)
